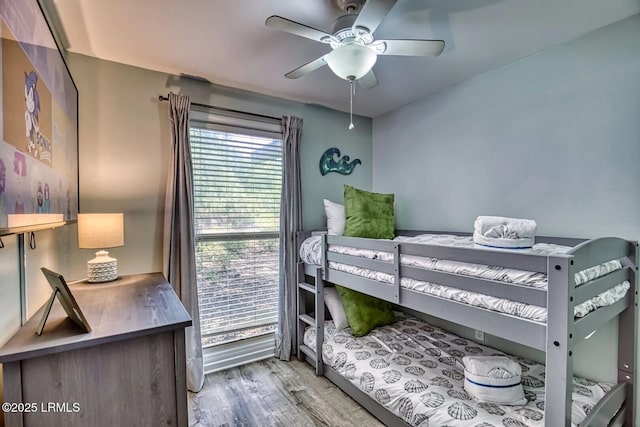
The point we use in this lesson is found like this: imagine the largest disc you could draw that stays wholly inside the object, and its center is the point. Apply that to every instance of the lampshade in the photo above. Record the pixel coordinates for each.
(351, 61)
(100, 230)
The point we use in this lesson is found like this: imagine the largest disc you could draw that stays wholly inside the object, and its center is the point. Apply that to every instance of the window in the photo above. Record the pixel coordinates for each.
(237, 174)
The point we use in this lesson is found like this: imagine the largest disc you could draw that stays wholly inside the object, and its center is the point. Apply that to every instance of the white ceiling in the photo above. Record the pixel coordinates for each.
(227, 42)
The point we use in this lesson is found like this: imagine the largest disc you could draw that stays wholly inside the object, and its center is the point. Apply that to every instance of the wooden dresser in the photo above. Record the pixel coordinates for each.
(128, 371)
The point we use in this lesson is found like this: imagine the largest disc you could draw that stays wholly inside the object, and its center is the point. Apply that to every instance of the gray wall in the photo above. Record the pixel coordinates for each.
(49, 253)
(124, 149)
(553, 137)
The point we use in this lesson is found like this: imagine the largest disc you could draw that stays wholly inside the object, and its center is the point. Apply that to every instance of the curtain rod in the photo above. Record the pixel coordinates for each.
(164, 98)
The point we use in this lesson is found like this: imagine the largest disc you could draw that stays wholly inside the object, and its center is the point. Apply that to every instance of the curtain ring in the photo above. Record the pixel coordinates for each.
(32, 240)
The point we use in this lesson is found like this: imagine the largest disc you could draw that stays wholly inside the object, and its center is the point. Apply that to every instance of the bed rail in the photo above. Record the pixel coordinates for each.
(512, 328)
(515, 292)
(371, 264)
(607, 407)
(587, 254)
(372, 287)
(488, 256)
(597, 251)
(567, 241)
(597, 318)
(595, 287)
(361, 242)
(561, 287)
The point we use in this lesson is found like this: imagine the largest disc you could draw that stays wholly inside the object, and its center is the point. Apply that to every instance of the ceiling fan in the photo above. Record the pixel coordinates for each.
(354, 48)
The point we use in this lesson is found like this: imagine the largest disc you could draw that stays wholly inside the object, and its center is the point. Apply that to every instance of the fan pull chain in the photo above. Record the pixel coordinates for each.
(352, 91)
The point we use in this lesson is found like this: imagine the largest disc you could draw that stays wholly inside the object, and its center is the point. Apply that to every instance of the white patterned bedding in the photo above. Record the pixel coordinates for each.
(311, 253)
(414, 370)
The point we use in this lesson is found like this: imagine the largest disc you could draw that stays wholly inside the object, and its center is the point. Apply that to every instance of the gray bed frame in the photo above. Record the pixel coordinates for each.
(557, 337)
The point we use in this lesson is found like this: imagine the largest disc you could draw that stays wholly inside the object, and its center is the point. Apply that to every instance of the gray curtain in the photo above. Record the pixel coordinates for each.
(290, 222)
(178, 241)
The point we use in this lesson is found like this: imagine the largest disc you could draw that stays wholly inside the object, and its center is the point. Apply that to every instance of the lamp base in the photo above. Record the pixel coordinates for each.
(102, 268)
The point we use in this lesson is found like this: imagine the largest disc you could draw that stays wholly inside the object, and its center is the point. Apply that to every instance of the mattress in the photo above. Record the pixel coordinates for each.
(311, 253)
(415, 371)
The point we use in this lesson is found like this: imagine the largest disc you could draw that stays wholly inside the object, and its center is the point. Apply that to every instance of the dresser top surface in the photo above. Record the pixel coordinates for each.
(129, 307)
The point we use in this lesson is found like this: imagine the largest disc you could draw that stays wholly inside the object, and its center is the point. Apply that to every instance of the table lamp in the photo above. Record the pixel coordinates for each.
(101, 231)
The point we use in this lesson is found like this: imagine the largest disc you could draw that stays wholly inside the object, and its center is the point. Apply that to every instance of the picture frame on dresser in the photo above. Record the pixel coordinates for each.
(38, 124)
(68, 302)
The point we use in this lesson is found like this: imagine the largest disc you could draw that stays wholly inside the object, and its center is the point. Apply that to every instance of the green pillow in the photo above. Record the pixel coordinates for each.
(368, 214)
(364, 312)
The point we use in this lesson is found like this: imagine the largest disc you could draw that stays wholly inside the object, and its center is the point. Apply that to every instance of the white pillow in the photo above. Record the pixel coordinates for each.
(493, 379)
(335, 217)
(333, 303)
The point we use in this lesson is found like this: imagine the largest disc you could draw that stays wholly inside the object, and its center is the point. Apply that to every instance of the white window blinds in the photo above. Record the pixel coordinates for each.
(237, 175)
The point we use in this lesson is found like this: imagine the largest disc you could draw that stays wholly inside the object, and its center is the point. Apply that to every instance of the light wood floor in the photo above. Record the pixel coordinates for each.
(274, 393)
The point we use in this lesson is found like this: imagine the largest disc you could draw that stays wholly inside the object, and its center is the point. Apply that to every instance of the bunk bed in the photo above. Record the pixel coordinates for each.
(391, 270)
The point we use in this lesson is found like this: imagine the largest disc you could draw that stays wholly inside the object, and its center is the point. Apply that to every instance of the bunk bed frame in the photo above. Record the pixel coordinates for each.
(556, 337)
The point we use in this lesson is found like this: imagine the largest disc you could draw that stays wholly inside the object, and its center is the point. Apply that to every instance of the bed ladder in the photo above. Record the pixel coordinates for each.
(314, 319)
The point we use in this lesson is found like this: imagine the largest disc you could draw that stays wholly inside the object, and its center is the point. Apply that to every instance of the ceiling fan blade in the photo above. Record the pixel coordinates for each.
(372, 14)
(368, 81)
(284, 24)
(411, 47)
(306, 68)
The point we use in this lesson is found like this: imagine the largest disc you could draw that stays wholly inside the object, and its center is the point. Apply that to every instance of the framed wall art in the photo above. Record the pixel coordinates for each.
(38, 123)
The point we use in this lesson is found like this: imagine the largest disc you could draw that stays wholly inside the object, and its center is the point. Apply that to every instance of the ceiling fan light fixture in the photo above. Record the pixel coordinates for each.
(351, 61)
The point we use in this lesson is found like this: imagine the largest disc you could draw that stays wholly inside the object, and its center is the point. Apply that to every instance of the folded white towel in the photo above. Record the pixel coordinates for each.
(493, 242)
(493, 379)
(504, 228)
